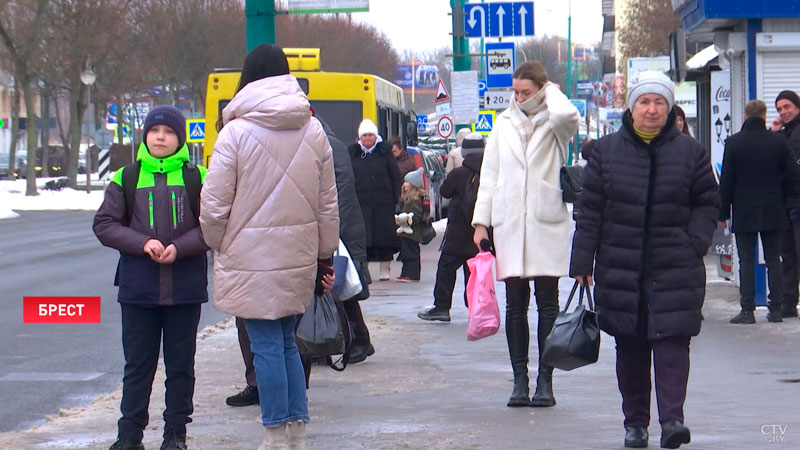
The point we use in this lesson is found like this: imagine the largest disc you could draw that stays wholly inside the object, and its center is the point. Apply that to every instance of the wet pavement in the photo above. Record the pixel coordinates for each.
(427, 387)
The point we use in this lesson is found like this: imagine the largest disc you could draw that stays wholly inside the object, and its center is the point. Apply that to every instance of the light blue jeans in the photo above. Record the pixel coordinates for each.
(279, 371)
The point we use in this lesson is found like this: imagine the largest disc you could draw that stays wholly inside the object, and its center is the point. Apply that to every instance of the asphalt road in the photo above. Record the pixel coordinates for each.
(45, 367)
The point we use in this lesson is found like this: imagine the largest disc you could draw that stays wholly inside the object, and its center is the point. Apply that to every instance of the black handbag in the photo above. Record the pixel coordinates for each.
(571, 180)
(574, 340)
(571, 183)
(427, 233)
(320, 331)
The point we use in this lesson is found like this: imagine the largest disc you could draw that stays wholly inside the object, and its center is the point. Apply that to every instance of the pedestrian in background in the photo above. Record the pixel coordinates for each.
(680, 121)
(410, 221)
(455, 157)
(461, 186)
(272, 237)
(161, 275)
(378, 184)
(649, 207)
(405, 163)
(759, 181)
(520, 196)
(788, 124)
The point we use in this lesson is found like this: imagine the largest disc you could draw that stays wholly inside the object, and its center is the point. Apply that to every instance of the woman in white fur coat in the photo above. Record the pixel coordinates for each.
(520, 198)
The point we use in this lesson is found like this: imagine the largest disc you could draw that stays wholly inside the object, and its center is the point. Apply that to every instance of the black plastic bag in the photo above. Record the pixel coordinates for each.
(574, 340)
(320, 331)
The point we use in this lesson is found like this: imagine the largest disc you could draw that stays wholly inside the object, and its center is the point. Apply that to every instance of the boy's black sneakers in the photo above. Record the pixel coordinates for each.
(248, 396)
(127, 444)
(173, 441)
(435, 313)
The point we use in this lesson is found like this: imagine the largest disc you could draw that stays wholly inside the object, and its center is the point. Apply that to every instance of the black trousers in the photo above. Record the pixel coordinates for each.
(409, 255)
(446, 274)
(746, 245)
(671, 361)
(142, 329)
(518, 298)
(247, 354)
(790, 254)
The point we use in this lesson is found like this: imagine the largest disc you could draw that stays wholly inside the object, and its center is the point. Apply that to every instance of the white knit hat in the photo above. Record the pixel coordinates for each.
(367, 127)
(651, 82)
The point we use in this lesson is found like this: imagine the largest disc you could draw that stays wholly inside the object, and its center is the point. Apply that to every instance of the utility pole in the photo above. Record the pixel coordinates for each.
(260, 19)
(569, 74)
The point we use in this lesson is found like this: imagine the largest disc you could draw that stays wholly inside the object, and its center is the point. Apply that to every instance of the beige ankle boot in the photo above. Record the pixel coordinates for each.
(385, 270)
(297, 435)
(275, 439)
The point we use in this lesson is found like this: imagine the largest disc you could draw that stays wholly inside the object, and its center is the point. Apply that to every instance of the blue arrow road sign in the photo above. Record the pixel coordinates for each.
(498, 19)
(475, 24)
(523, 18)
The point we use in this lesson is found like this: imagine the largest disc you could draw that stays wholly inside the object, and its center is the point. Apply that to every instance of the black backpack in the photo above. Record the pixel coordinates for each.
(191, 180)
(470, 195)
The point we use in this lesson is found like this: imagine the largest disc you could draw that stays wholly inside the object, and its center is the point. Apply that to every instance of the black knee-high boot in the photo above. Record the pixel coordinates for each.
(518, 337)
(547, 305)
(543, 396)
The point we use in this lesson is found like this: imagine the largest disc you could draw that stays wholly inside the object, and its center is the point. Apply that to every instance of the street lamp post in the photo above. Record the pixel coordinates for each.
(88, 77)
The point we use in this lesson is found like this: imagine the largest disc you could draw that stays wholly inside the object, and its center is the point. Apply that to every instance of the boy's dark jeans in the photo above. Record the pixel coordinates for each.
(142, 328)
(446, 280)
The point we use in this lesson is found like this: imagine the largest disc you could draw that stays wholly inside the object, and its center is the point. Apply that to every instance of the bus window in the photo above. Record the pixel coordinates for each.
(303, 84)
(342, 116)
(395, 123)
(382, 122)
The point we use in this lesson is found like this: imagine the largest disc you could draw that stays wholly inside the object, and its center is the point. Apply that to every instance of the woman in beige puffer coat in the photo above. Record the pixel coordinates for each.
(269, 211)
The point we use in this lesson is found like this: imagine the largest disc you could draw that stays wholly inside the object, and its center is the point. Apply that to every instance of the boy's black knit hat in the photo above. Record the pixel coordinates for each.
(169, 116)
(789, 95)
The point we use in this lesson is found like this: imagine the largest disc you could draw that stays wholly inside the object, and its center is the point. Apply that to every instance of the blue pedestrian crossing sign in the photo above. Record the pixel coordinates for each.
(485, 122)
(422, 124)
(195, 130)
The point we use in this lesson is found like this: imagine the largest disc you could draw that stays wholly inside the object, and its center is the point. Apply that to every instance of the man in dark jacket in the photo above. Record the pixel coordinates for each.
(457, 247)
(788, 105)
(405, 163)
(759, 178)
(649, 208)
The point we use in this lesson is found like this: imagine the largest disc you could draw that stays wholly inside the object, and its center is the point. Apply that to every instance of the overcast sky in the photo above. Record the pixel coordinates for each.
(423, 25)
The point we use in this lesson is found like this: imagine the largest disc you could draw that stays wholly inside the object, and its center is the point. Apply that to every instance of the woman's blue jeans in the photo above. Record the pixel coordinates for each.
(279, 371)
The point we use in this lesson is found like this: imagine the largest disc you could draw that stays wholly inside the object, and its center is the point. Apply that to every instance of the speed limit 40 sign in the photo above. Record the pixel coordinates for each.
(445, 127)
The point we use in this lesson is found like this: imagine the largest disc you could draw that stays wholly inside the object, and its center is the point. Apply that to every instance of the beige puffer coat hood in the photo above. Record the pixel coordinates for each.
(268, 206)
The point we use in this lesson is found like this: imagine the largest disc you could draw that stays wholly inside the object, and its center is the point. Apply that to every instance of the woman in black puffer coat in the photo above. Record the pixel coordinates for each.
(648, 211)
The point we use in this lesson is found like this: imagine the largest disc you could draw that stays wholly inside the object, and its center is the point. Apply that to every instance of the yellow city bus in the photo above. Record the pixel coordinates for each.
(342, 100)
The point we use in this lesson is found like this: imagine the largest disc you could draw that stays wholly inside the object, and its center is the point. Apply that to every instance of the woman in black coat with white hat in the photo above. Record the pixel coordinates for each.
(648, 211)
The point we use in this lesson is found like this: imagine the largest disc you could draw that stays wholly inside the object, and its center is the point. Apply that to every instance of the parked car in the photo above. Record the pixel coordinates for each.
(434, 171)
(19, 167)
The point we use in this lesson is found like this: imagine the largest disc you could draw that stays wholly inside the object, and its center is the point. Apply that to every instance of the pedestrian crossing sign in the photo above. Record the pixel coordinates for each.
(485, 122)
(195, 130)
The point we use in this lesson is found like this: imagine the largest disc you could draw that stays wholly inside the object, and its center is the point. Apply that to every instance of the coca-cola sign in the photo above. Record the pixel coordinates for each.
(723, 94)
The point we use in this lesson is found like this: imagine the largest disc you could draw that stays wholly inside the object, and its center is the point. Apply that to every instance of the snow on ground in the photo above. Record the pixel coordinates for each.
(12, 197)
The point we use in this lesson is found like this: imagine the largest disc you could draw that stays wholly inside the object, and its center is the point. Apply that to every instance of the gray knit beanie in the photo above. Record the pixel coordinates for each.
(651, 82)
(415, 178)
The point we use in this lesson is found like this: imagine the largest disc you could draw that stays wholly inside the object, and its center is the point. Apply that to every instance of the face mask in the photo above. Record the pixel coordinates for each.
(530, 105)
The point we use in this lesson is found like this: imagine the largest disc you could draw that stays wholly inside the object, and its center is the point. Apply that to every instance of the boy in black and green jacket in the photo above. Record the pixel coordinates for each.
(150, 214)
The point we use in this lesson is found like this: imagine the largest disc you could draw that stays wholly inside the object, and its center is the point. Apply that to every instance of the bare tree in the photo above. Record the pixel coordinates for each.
(337, 35)
(20, 23)
(648, 24)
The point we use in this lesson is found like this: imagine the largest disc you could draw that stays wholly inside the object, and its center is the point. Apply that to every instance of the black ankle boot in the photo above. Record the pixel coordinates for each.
(519, 396)
(674, 433)
(543, 396)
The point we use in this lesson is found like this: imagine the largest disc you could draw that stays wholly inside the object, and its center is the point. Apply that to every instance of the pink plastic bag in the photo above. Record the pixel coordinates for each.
(484, 314)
